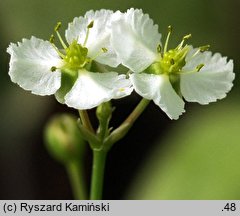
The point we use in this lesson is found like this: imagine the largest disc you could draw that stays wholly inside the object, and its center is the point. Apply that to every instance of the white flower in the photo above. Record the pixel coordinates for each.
(165, 76)
(42, 68)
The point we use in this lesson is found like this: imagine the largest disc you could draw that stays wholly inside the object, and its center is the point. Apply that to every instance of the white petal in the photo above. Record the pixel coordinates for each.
(135, 39)
(92, 89)
(30, 66)
(159, 89)
(212, 82)
(99, 35)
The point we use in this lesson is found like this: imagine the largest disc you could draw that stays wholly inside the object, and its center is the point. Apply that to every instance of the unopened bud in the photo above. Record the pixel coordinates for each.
(63, 139)
(104, 111)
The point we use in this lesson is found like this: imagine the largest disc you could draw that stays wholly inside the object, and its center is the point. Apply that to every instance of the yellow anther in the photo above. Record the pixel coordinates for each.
(172, 62)
(121, 89)
(204, 48)
(170, 29)
(57, 27)
(186, 37)
(167, 39)
(53, 68)
(90, 25)
(104, 50)
(52, 39)
(201, 49)
(199, 67)
(159, 48)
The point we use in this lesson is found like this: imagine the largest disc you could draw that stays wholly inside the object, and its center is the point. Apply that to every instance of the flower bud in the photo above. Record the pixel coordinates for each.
(104, 114)
(63, 139)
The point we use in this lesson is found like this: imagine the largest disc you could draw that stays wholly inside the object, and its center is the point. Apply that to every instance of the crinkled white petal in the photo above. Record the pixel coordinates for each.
(159, 89)
(92, 89)
(30, 66)
(99, 35)
(135, 39)
(212, 82)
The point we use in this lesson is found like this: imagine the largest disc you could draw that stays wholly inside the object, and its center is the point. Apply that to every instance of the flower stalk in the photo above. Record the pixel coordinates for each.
(98, 167)
(77, 181)
(123, 129)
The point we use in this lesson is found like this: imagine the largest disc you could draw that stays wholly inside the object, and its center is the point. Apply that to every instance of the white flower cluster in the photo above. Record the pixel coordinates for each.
(103, 37)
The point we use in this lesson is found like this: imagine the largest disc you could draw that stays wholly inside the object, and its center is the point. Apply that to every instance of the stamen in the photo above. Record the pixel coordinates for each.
(57, 27)
(159, 48)
(204, 48)
(185, 38)
(90, 25)
(199, 67)
(53, 68)
(84, 63)
(172, 62)
(183, 53)
(51, 40)
(201, 49)
(167, 39)
(103, 50)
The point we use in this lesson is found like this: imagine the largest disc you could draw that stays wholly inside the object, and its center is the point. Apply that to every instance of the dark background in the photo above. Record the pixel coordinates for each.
(149, 157)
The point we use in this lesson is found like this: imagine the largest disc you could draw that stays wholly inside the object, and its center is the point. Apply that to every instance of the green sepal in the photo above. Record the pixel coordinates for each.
(68, 78)
(154, 68)
(175, 81)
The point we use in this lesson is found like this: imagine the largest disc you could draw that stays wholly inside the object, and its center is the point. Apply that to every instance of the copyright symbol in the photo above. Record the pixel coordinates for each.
(9, 207)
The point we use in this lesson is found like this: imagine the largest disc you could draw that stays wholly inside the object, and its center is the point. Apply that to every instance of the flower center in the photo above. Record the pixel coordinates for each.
(172, 61)
(76, 56)
(75, 60)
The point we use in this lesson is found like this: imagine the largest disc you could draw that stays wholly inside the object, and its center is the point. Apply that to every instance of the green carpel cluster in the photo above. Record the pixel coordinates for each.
(76, 56)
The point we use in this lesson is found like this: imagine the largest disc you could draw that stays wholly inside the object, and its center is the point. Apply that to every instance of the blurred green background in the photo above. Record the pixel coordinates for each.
(196, 157)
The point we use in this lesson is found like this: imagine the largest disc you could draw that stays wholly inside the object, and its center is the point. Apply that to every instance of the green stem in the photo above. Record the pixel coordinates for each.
(75, 172)
(137, 112)
(100, 154)
(123, 129)
(99, 159)
(85, 120)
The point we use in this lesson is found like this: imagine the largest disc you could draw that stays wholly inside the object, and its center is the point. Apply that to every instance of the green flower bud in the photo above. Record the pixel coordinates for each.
(104, 111)
(63, 139)
(104, 114)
